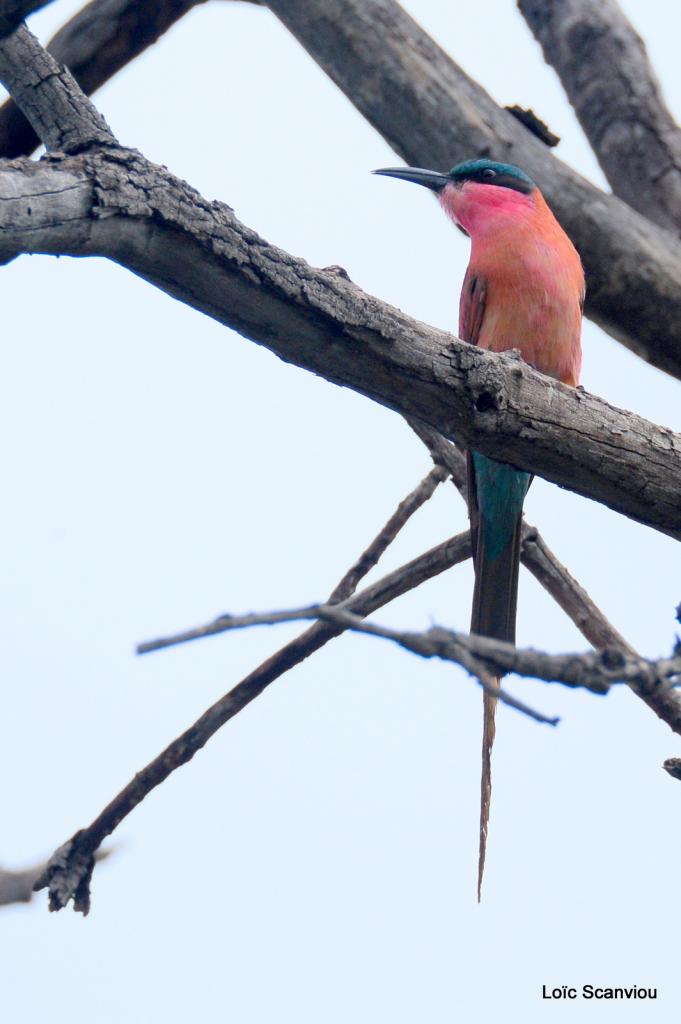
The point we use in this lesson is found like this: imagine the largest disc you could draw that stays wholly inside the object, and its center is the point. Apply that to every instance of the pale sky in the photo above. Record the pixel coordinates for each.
(316, 862)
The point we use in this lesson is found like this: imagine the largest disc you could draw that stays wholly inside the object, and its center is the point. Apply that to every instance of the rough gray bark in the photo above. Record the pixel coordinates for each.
(13, 12)
(605, 71)
(595, 671)
(96, 43)
(60, 113)
(429, 111)
(633, 284)
(432, 114)
(112, 202)
(117, 204)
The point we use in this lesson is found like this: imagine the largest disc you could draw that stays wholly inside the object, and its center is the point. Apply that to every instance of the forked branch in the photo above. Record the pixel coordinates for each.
(605, 71)
(69, 871)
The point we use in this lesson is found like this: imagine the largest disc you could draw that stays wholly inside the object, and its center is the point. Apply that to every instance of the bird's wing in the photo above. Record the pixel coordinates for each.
(471, 314)
(472, 306)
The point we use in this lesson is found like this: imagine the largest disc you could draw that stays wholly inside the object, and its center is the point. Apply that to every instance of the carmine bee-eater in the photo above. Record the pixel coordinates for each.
(524, 289)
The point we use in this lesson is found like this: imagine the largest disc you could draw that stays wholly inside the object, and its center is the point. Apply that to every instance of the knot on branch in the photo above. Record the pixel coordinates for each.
(486, 401)
(613, 659)
(67, 875)
(489, 388)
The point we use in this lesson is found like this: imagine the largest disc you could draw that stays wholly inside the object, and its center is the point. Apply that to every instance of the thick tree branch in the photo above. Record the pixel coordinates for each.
(60, 113)
(432, 114)
(13, 12)
(429, 111)
(605, 71)
(116, 204)
(124, 190)
(96, 43)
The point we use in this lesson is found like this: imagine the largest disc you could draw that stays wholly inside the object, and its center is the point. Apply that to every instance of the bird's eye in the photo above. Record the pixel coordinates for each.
(489, 173)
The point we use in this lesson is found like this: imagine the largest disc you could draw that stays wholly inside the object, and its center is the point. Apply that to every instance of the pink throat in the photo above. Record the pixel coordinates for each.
(481, 209)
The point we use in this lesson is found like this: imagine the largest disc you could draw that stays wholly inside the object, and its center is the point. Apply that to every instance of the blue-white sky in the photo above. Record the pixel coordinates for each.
(317, 861)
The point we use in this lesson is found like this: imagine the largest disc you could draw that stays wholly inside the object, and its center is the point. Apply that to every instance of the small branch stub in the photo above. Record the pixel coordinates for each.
(67, 876)
(673, 766)
(534, 124)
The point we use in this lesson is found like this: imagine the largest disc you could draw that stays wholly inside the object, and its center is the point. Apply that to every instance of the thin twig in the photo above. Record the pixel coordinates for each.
(393, 585)
(435, 643)
(404, 511)
(594, 671)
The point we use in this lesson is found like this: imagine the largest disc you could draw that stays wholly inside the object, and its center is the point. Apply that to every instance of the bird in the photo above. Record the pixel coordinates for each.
(524, 289)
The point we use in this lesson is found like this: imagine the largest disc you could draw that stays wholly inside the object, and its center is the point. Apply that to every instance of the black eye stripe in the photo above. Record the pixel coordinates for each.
(493, 174)
(500, 180)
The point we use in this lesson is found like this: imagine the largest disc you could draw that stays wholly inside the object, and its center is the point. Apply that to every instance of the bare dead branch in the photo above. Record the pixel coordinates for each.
(69, 871)
(604, 68)
(62, 116)
(96, 43)
(114, 203)
(393, 585)
(536, 555)
(403, 513)
(594, 671)
(432, 114)
(592, 623)
(569, 595)
(13, 12)
(429, 111)
(443, 453)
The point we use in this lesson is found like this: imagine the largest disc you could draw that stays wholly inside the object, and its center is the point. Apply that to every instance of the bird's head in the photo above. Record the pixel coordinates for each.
(479, 195)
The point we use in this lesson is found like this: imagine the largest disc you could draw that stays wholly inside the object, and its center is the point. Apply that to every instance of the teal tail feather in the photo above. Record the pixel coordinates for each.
(496, 496)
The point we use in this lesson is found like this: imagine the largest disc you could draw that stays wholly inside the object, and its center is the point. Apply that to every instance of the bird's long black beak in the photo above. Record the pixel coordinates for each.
(431, 179)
